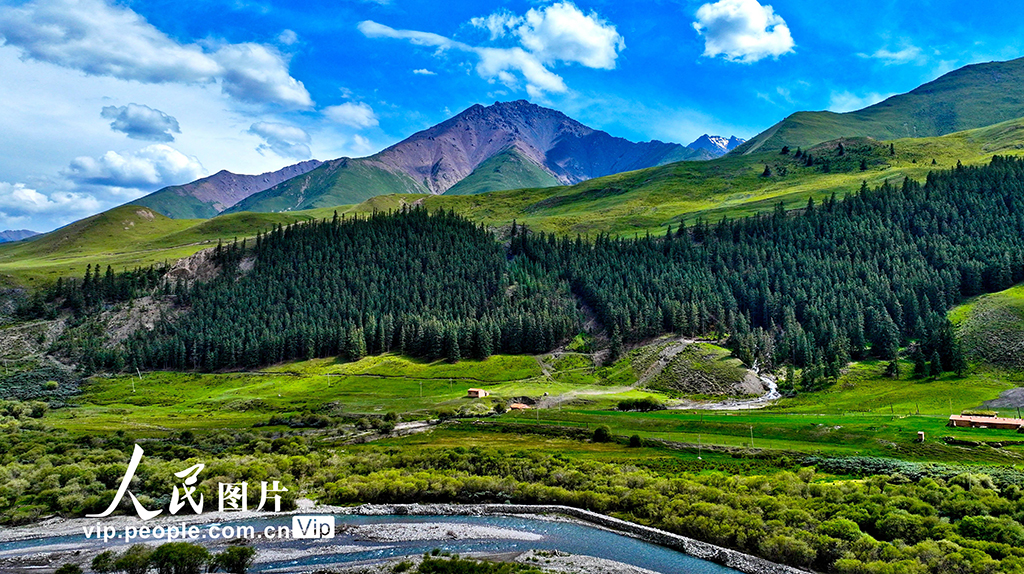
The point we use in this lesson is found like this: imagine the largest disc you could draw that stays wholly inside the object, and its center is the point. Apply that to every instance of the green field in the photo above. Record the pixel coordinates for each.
(865, 413)
(991, 327)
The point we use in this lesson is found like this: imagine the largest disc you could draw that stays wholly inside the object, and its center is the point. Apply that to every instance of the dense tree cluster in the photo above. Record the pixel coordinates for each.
(864, 275)
(845, 279)
(91, 291)
(430, 285)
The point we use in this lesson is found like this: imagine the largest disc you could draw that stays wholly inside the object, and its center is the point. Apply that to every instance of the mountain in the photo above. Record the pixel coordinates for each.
(16, 235)
(716, 146)
(205, 198)
(507, 145)
(971, 97)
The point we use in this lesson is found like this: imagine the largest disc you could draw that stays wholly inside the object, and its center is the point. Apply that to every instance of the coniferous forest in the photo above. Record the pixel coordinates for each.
(861, 276)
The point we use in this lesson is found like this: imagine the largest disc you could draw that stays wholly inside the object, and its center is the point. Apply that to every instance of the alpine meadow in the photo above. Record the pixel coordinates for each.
(526, 337)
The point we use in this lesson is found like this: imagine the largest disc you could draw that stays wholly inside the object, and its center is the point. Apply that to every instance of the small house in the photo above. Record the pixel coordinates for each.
(477, 393)
(984, 422)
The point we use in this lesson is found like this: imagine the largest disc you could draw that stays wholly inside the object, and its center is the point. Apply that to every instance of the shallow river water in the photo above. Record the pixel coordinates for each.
(361, 539)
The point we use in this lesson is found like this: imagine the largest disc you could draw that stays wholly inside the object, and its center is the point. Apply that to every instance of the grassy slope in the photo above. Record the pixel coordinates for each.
(971, 97)
(732, 186)
(338, 182)
(991, 327)
(172, 204)
(507, 170)
(626, 203)
(853, 418)
(127, 236)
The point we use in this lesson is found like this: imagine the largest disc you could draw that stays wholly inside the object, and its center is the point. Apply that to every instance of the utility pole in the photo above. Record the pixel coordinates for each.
(751, 436)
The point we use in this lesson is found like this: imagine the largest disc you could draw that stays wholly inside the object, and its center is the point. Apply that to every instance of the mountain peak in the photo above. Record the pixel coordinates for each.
(505, 145)
(716, 145)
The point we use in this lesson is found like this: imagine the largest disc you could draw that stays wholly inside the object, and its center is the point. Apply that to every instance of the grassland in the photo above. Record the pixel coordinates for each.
(732, 186)
(126, 237)
(864, 414)
(622, 204)
(991, 328)
(971, 97)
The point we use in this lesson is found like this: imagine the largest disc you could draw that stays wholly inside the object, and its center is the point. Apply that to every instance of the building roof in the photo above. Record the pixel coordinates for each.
(986, 420)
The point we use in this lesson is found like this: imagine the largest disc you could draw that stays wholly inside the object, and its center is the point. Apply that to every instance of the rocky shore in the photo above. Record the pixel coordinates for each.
(726, 557)
(49, 555)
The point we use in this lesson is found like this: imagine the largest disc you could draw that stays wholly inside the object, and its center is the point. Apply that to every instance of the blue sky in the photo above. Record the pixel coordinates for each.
(106, 101)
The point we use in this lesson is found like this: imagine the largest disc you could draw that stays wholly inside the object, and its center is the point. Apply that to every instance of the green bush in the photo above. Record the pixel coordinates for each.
(235, 559)
(603, 434)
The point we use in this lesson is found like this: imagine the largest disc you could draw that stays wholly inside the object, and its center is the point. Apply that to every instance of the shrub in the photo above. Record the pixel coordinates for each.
(179, 558)
(603, 434)
(635, 441)
(235, 559)
(69, 569)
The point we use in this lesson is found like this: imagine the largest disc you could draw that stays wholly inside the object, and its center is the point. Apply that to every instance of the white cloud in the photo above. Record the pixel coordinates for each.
(111, 40)
(282, 139)
(562, 32)
(258, 73)
(361, 144)
(557, 33)
(372, 29)
(424, 72)
(357, 115)
(497, 64)
(20, 203)
(742, 31)
(152, 167)
(498, 24)
(141, 122)
(888, 57)
(288, 37)
(841, 102)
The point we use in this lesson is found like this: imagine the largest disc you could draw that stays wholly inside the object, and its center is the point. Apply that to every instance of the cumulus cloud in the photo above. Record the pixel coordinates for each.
(19, 203)
(357, 115)
(282, 139)
(424, 72)
(846, 101)
(258, 73)
(142, 122)
(498, 24)
(742, 31)
(151, 167)
(112, 40)
(562, 32)
(559, 33)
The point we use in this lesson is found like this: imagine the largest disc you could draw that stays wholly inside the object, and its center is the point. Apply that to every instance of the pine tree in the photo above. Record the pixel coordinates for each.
(767, 171)
(920, 363)
(935, 365)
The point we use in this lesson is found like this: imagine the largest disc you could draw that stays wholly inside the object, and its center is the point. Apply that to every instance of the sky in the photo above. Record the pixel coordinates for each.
(102, 102)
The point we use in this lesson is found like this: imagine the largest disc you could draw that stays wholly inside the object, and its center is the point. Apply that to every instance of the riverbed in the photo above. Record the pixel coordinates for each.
(558, 544)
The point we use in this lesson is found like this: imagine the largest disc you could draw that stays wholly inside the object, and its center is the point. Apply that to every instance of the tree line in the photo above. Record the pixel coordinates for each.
(866, 275)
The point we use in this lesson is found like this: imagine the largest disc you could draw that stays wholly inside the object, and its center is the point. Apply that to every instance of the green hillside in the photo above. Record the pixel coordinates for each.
(507, 170)
(339, 182)
(991, 328)
(731, 186)
(127, 236)
(622, 204)
(173, 203)
(970, 97)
